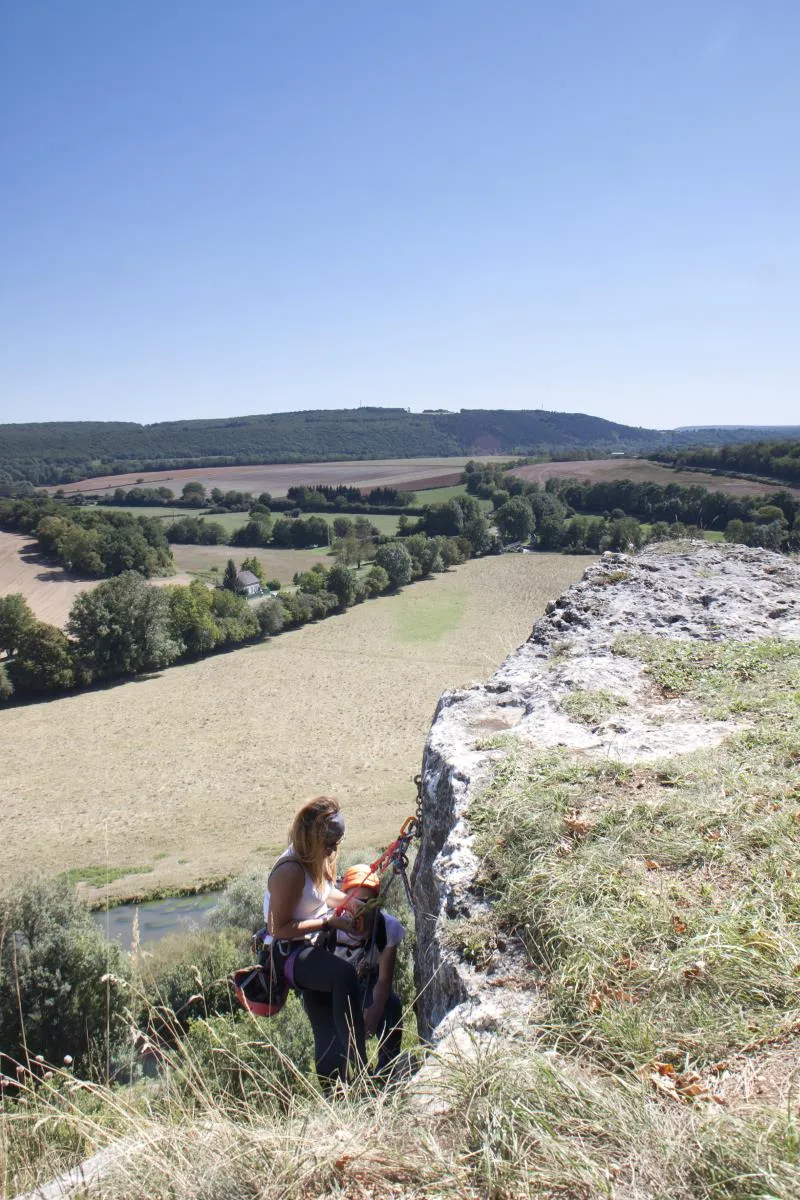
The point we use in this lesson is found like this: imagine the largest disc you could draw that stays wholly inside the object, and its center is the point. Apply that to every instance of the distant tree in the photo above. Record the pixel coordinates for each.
(515, 520)
(364, 530)
(478, 537)
(194, 493)
(769, 513)
(191, 616)
(6, 686)
(446, 519)
(347, 550)
(122, 628)
(341, 581)
(343, 527)
(15, 618)
(273, 585)
(450, 552)
(43, 662)
(282, 532)
(270, 615)
(234, 617)
(425, 553)
(229, 578)
(311, 582)
(396, 562)
(377, 581)
(257, 531)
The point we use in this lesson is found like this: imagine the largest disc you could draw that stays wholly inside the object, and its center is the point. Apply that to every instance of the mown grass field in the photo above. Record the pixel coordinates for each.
(209, 562)
(195, 772)
(641, 470)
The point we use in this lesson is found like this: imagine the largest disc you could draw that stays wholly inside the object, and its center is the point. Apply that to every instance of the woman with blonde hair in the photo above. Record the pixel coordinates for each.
(298, 910)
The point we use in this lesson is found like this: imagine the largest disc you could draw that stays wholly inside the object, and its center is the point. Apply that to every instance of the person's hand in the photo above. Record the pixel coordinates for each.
(372, 1019)
(342, 920)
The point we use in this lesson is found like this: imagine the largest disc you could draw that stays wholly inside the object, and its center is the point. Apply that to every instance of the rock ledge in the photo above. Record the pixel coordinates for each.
(690, 590)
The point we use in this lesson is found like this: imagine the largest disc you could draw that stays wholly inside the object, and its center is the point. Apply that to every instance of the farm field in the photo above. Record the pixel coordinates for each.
(193, 774)
(275, 478)
(278, 564)
(49, 590)
(640, 470)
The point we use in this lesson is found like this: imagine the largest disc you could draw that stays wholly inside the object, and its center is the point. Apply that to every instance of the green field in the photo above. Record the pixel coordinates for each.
(443, 494)
(208, 562)
(165, 511)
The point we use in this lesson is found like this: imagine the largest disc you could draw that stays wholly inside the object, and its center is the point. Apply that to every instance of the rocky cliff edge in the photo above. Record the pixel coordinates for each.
(692, 590)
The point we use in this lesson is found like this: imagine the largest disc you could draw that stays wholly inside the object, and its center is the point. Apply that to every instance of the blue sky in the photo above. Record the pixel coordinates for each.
(211, 209)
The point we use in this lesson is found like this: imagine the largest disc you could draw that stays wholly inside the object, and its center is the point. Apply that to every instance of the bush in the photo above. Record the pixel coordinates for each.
(270, 615)
(61, 983)
(43, 662)
(396, 562)
(241, 905)
(252, 1060)
(377, 581)
(189, 976)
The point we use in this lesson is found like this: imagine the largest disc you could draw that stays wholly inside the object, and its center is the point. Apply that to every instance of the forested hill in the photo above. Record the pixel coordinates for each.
(60, 452)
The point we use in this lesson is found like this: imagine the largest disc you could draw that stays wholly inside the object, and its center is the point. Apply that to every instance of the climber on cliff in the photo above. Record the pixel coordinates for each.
(300, 909)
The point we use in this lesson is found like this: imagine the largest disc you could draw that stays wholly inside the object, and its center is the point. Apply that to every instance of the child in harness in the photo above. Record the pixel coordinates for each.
(370, 946)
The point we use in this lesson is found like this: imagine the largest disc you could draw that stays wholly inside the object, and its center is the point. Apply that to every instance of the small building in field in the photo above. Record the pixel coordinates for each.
(248, 584)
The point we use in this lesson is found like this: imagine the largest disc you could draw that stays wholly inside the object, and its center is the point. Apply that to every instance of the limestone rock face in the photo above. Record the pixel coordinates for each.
(696, 590)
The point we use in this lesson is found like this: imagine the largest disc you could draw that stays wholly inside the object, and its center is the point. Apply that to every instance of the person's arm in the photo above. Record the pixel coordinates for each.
(382, 990)
(286, 888)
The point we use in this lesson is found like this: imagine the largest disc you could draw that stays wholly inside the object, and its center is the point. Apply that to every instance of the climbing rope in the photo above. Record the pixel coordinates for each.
(395, 859)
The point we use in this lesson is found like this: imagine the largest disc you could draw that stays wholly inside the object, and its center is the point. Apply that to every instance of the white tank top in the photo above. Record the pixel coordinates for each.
(313, 902)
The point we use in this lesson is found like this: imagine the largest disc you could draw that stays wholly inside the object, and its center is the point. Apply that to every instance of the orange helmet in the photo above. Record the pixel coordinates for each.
(360, 875)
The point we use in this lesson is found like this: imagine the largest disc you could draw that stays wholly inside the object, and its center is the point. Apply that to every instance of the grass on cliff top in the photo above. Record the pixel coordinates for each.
(661, 903)
(505, 1124)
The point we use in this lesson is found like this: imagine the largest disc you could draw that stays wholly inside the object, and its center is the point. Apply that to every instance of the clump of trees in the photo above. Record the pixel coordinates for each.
(578, 516)
(92, 541)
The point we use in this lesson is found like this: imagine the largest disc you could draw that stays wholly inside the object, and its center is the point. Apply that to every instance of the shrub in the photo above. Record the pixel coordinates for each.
(247, 1059)
(6, 686)
(188, 976)
(270, 615)
(43, 662)
(241, 905)
(61, 983)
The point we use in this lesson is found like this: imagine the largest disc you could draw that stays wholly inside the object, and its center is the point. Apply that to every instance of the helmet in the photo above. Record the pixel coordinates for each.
(360, 875)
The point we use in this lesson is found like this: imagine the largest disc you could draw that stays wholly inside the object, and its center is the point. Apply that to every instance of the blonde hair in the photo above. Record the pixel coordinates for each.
(307, 834)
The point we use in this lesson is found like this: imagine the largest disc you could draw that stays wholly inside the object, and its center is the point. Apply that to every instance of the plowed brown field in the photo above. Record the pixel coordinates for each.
(601, 470)
(194, 772)
(49, 590)
(276, 478)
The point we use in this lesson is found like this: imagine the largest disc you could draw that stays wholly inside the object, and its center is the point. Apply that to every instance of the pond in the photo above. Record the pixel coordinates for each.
(157, 918)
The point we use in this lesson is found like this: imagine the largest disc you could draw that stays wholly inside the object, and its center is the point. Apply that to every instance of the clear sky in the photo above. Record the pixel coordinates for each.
(213, 208)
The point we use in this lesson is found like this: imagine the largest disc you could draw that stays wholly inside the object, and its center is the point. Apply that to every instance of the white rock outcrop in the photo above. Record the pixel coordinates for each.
(695, 590)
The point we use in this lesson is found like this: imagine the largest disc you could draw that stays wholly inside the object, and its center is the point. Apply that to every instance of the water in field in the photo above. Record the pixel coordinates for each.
(157, 918)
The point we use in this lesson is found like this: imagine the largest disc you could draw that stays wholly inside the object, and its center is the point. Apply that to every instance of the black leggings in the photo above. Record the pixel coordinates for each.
(330, 990)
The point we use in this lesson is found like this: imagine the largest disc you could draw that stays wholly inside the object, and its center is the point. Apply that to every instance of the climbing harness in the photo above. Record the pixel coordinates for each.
(262, 989)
